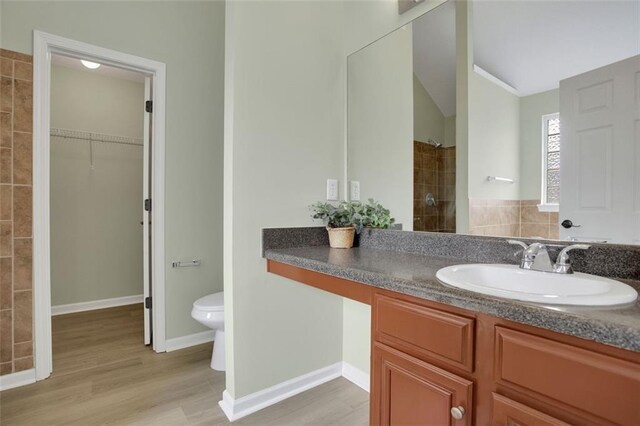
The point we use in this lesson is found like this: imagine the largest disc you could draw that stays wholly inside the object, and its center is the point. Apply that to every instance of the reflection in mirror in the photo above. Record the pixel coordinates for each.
(380, 123)
(517, 119)
(434, 120)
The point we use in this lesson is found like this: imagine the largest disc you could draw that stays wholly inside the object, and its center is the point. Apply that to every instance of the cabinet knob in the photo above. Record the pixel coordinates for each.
(457, 412)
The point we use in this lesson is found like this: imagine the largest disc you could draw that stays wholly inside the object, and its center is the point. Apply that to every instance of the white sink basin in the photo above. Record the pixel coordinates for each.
(511, 282)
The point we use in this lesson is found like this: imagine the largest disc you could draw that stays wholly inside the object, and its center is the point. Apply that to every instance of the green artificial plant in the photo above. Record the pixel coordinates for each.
(353, 213)
(377, 216)
(340, 216)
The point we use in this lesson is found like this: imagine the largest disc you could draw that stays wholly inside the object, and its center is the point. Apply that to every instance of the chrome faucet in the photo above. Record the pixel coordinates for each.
(563, 263)
(535, 257)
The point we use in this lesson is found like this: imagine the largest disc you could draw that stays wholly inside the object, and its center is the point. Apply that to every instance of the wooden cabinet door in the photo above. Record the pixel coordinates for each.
(408, 391)
(507, 412)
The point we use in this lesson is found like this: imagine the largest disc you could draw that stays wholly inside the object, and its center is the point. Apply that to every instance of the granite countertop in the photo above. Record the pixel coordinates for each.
(414, 274)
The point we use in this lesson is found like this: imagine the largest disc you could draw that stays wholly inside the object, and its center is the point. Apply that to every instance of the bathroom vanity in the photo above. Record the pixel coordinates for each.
(458, 357)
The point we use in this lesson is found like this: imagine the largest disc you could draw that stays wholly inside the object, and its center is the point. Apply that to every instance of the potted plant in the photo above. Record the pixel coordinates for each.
(339, 221)
(375, 215)
(348, 218)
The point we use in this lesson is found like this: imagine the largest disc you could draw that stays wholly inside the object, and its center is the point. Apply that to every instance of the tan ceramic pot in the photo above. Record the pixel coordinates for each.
(341, 237)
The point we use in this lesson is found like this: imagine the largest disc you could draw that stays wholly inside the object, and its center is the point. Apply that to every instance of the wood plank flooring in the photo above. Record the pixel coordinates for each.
(103, 374)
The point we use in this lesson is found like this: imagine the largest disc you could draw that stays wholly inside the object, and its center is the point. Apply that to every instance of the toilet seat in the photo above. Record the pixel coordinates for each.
(210, 303)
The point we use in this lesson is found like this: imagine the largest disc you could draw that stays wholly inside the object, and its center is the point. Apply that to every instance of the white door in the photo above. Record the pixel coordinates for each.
(600, 154)
(146, 212)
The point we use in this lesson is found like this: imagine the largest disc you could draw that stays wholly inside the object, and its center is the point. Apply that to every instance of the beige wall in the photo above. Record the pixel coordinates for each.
(449, 131)
(189, 38)
(494, 139)
(92, 102)
(428, 120)
(96, 237)
(284, 136)
(380, 132)
(464, 62)
(510, 128)
(356, 335)
(532, 108)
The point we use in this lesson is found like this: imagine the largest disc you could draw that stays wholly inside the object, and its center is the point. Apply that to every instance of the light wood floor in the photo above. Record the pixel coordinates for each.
(103, 374)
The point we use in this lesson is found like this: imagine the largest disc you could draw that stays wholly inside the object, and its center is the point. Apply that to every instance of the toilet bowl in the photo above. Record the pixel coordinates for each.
(209, 311)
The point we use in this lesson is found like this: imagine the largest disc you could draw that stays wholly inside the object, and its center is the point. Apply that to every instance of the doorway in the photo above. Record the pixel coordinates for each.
(98, 147)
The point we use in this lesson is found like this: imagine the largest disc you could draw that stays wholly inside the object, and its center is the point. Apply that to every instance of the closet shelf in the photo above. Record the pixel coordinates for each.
(95, 137)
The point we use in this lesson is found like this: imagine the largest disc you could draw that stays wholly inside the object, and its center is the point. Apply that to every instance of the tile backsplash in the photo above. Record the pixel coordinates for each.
(511, 218)
(16, 212)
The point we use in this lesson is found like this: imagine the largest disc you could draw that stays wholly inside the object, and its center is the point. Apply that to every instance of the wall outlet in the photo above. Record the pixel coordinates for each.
(354, 190)
(332, 189)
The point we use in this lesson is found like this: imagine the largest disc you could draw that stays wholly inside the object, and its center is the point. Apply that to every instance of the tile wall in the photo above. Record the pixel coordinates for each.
(434, 171)
(534, 223)
(500, 218)
(16, 305)
(511, 218)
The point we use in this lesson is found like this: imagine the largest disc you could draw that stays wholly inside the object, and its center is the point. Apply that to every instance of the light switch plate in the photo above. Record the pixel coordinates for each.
(332, 189)
(354, 190)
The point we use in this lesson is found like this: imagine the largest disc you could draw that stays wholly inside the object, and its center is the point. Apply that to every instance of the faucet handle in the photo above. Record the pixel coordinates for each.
(518, 243)
(527, 259)
(564, 256)
(563, 263)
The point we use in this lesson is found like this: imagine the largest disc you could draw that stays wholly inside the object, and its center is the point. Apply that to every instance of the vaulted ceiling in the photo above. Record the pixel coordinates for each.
(434, 55)
(530, 45)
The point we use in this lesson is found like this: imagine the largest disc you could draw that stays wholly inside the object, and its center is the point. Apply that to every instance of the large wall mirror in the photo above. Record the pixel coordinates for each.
(514, 119)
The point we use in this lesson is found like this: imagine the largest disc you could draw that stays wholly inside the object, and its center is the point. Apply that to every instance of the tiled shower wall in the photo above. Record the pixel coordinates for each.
(434, 171)
(511, 218)
(16, 307)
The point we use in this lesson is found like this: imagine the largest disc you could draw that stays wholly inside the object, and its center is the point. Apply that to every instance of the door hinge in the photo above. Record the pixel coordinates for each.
(147, 302)
(147, 205)
(148, 106)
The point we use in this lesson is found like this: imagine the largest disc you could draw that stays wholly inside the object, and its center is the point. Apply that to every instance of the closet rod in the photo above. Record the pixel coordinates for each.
(95, 137)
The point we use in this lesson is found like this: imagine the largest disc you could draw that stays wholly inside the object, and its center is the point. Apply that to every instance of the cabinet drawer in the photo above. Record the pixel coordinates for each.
(507, 412)
(593, 383)
(426, 333)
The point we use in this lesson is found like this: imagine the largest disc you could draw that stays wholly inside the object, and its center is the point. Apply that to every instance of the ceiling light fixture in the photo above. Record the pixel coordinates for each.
(89, 64)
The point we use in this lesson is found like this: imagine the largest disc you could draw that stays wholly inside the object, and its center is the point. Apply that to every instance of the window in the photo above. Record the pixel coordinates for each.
(550, 162)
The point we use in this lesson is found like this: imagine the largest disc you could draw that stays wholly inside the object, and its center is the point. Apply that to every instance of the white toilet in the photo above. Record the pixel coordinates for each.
(209, 311)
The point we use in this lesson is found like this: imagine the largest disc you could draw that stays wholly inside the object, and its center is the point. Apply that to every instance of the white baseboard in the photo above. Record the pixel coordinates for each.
(190, 340)
(96, 304)
(356, 376)
(235, 409)
(21, 378)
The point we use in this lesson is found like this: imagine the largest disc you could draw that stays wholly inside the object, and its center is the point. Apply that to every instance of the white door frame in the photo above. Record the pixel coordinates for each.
(43, 46)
